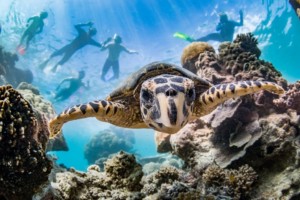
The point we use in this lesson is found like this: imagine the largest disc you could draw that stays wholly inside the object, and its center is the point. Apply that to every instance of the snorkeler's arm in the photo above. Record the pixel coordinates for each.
(40, 28)
(87, 85)
(104, 47)
(129, 51)
(79, 29)
(241, 23)
(94, 43)
(220, 26)
(65, 80)
(30, 19)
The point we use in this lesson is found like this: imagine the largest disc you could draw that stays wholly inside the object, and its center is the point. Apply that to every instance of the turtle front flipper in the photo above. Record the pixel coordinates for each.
(217, 94)
(106, 111)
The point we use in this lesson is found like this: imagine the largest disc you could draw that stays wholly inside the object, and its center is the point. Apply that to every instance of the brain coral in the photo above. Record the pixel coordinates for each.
(23, 163)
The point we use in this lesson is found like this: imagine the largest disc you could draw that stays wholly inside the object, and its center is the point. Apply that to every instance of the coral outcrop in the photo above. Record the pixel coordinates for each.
(291, 99)
(296, 6)
(107, 142)
(23, 137)
(256, 130)
(33, 96)
(120, 180)
(191, 52)
(9, 73)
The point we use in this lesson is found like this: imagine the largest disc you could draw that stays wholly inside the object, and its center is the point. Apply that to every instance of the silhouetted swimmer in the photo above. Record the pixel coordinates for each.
(225, 28)
(83, 38)
(35, 26)
(74, 84)
(114, 50)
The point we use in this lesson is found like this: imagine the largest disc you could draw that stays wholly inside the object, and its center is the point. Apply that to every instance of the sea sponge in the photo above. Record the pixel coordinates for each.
(23, 162)
(123, 172)
(191, 53)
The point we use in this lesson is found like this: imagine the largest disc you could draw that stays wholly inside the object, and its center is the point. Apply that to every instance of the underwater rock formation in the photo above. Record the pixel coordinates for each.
(120, 180)
(9, 74)
(256, 130)
(23, 137)
(191, 52)
(32, 95)
(107, 142)
(296, 6)
(291, 99)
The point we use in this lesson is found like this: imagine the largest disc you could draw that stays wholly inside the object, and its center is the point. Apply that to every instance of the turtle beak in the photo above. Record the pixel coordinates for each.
(174, 111)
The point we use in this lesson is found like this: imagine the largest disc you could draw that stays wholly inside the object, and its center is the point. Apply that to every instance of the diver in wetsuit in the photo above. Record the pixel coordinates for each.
(84, 38)
(112, 60)
(74, 85)
(35, 26)
(225, 28)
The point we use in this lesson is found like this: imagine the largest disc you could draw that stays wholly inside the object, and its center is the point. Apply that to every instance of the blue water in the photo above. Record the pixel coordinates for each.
(146, 26)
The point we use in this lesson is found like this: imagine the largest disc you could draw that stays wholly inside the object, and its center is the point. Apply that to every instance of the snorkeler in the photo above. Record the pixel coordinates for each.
(112, 60)
(74, 85)
(35, 27)
(84, 38)
(225, 28)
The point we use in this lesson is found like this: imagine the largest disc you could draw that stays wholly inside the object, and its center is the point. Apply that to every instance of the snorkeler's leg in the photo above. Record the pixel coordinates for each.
(65, 58)
(23, 38)
(212, 36)
(56, 53)
(105, 69)
(62, 95)
(29, 38)
(116, 70)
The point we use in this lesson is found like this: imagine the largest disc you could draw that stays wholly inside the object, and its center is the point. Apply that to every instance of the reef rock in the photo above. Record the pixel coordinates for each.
(291, 99)
(191, 52)
(9, 74)
(23, 137)
(32, 95)
(260, 130)
(120, 180)
(107, 142)
(296, 6)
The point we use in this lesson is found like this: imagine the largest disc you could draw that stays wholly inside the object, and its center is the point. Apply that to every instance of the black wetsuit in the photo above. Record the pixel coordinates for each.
(226, 31)
(80, 41)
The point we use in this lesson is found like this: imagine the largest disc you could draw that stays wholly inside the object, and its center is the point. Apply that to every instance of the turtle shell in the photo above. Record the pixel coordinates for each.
(130, 90)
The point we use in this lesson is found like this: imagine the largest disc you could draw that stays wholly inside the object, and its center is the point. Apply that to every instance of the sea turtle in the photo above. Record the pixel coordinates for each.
(160, 96)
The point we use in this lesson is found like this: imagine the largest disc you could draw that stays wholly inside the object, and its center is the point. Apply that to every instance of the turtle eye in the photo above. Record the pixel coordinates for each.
(147, 96)
(191, 93)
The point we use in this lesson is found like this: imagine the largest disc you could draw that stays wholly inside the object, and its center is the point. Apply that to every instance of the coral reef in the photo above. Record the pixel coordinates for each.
(231, 183)
(247, 148)
(257, 130)
(120, 180)
(291, 99)
(23, 136)
(107, 142)
(296, 6)
(9, 74)
(191, 52)
(32, 95)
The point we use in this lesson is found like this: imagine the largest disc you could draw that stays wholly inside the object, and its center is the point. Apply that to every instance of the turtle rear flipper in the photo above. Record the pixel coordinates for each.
(106, 111)
(217, 94)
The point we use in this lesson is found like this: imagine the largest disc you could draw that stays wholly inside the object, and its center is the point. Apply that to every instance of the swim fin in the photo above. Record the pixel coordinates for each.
(21, 50)
(183, 36)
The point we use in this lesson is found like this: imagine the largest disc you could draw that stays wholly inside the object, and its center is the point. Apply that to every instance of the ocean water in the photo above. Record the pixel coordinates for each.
(146, 26)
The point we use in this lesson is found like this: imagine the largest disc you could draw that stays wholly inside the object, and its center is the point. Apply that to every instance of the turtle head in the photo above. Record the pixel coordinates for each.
(166, 102)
